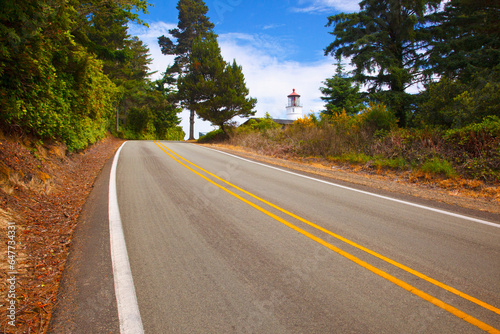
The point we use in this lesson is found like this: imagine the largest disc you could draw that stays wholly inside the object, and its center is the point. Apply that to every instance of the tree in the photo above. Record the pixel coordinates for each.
(384, 42)
(50, 86)
(466, 38)
(341, 94)
(193, 23)
(131, 77)
(214, 88)
(451, 103)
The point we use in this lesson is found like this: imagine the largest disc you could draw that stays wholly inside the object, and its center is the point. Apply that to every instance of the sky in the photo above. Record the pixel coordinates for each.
(279, 44)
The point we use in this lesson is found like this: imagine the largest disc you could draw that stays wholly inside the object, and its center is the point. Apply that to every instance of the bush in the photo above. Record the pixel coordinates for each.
(213, 136)
(476, 137)
(259, 124)
(454, 104)
(372, 139)
(306, 121)
(377, 117)
(438, 166)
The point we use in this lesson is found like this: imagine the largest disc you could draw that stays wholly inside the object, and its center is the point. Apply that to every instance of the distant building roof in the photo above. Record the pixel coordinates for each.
(283, 121)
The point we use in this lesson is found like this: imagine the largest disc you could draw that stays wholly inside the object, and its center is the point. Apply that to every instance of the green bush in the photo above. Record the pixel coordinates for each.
(438, 166)
(475, 137)
(452, 103)
(377, 117)
(213, 136)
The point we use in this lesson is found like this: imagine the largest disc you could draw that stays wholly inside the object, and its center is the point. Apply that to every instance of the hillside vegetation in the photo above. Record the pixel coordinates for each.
(70, 72)
(373, 140)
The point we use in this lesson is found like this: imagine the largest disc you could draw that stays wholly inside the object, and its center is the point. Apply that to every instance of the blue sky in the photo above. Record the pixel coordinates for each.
(279, 44)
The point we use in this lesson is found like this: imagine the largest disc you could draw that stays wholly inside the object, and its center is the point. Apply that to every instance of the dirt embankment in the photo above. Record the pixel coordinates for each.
(42, 191)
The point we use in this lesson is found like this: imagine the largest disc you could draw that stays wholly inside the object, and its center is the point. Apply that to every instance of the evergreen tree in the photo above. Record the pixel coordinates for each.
(341, 93)
(466, 38)
(384, 42)
(214, 88)
(193, 23)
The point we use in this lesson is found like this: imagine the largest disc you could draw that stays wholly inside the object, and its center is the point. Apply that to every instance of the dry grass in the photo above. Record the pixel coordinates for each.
(413, 157)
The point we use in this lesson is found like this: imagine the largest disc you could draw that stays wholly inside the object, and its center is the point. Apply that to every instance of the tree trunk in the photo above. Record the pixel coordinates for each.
(191, 126)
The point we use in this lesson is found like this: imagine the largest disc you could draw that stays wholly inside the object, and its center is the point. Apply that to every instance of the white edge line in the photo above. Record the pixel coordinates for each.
(456, 215)
(126, 299)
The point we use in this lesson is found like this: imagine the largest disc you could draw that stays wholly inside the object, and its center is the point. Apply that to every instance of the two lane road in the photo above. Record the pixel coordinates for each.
(219, 244)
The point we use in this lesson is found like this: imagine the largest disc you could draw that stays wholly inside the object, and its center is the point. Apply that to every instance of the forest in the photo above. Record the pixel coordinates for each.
(70, 72)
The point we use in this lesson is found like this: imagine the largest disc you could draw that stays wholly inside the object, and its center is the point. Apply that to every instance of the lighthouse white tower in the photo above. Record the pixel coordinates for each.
(293, 109)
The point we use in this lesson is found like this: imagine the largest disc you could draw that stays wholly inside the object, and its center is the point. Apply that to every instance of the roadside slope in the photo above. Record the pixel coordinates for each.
(42, 191)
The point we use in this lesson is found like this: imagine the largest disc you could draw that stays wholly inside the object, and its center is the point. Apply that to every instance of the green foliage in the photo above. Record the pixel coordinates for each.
(69, 98)
(468, 136)
(377, 117)
(453, 104)
(66, 66)
(260, 124)
(216, 90)
(384, 41)
(193, 23)
(438, 166)
(354, 157)
(213, 136)
(477, 148)
(340, 93)
(466, 38)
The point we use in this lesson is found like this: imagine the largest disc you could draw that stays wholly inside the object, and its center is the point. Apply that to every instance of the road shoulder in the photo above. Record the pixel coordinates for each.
(86, 299)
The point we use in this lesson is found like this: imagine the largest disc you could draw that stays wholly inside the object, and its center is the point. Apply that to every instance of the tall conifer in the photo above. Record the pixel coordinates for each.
(193, 23)
(384, 41)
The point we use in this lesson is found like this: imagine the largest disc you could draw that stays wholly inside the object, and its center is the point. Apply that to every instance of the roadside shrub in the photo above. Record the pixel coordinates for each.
(475, 138)
(476, 148)
(372, 139)
(306, 121)
(438, 166)
(213, 136)
(377, 117)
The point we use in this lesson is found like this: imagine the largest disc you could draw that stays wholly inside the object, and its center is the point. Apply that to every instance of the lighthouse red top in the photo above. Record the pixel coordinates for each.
(293, 93)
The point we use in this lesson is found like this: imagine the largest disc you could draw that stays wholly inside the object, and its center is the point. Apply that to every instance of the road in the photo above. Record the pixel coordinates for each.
(219, 244)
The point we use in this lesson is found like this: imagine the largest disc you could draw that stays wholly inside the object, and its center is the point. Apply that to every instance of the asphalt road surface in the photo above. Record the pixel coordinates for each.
(219, 244)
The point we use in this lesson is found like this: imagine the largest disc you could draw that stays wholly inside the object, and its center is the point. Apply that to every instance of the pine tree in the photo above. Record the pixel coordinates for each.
(341, 93)
(213, 88)
(384, 42)
(466, 38)
(193, 23)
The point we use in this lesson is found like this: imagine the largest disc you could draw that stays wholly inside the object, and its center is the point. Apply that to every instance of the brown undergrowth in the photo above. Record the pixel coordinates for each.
(42, 191)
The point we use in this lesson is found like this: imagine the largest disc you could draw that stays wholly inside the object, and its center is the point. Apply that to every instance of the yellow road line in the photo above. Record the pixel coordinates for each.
(352, 243)
(451, 309)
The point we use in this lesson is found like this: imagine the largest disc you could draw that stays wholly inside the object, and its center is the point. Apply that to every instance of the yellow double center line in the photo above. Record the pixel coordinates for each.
(398, 282)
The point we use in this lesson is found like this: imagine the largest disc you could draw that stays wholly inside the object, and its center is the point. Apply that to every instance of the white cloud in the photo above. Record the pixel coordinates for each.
(272, 26)
(269, 77)
(320, 6)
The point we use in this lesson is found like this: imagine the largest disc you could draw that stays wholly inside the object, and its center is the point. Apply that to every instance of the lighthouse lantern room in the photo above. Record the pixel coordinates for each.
(293, 109)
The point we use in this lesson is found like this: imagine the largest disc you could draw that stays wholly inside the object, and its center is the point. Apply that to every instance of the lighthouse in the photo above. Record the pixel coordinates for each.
(293, 109)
